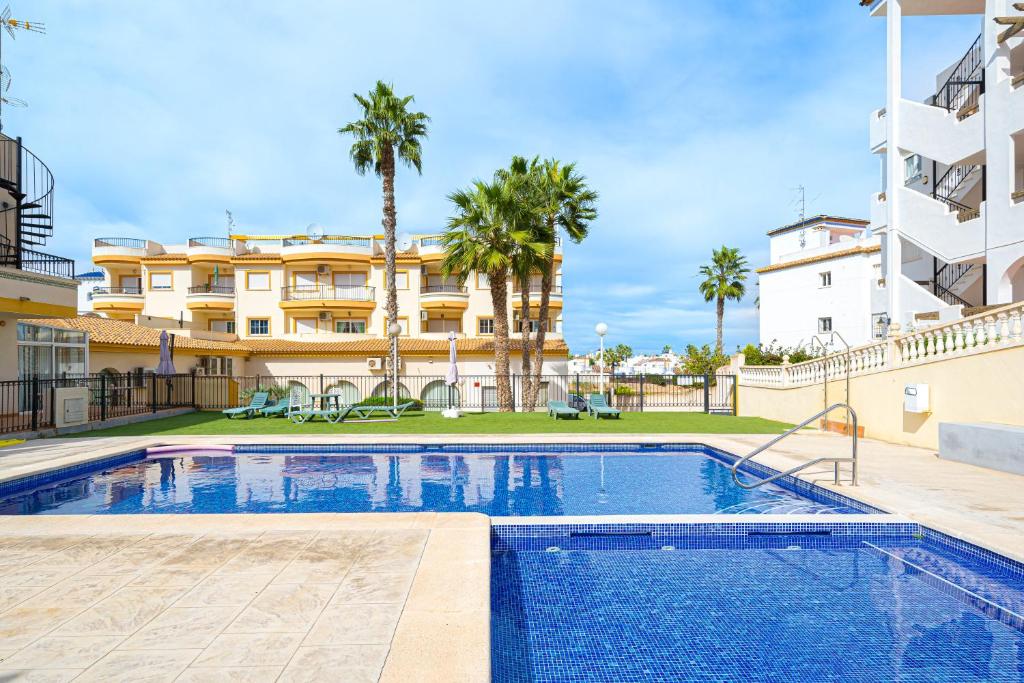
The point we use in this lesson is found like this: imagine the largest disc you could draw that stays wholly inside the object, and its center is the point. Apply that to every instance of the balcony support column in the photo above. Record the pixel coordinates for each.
(891, 252)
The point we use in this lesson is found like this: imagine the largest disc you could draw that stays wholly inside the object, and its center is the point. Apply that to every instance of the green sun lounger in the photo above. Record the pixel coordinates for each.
(395, 412)
(598, 406)
(300, 414)
(279, 408)
(257, 402)
(557, 409)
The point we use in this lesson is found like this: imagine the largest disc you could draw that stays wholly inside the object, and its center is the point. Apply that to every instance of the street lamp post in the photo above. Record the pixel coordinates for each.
(601, 330)
(394, 329)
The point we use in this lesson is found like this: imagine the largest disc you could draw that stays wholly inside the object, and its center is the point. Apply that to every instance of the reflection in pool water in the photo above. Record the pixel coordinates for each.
(494, 484)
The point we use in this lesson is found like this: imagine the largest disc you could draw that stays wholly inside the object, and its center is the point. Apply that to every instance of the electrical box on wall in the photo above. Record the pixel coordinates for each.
(915, 398)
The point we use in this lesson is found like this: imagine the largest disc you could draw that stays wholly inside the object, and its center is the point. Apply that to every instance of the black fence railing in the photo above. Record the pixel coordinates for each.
(443, 289)
(218, 242)
(117, 291)
(125, 242)
(37, 262)
(212, 289)
(31, 404)
(966, 82)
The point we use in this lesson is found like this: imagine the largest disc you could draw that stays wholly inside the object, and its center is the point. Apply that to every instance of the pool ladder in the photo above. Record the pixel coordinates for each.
(836, 461)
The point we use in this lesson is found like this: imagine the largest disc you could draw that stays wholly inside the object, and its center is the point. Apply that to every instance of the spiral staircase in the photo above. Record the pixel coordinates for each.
(26, 212)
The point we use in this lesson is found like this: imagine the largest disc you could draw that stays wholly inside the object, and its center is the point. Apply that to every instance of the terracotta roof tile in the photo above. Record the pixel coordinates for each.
(122, 333)
(821, 257)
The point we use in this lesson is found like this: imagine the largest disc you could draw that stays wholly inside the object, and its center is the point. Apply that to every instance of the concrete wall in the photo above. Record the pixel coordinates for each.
(985, 387)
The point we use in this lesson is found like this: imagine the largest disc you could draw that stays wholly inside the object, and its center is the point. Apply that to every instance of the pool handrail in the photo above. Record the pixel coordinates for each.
(836, 461)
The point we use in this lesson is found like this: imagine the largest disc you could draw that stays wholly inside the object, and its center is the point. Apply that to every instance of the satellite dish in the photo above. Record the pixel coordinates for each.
(315, 232)
(404, 241)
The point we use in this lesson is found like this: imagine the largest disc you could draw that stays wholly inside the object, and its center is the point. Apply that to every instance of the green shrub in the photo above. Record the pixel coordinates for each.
(703, 360)
(774, 353)
(624, 390)
(276, 392)
(387, 401)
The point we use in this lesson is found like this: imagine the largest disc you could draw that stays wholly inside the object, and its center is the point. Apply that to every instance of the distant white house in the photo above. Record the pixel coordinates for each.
(579, 365)
(823, 277)
(661, 364)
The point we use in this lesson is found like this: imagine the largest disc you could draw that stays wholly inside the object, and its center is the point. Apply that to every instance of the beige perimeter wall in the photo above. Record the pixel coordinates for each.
(986, 387)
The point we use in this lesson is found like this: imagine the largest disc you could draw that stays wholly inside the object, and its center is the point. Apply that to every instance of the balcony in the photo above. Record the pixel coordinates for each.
(535, 293)
(210, 250)
(330, 248)
(877, 131)
(211, 298)
(444, 298)
(327, 296)
(117, 299)
(114, 250)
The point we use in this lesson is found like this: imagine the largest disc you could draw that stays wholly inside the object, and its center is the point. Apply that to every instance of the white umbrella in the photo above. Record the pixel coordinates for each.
(166, 366)
(452, 378)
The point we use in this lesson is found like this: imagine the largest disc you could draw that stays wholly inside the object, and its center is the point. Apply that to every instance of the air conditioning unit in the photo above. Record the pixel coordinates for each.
(374, 364)
(324, 315)
(199, 370)
(424, 316)
(323, 269)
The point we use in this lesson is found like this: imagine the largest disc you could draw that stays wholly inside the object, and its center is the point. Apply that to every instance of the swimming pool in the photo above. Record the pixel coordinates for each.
(829, 603)
(528, 480)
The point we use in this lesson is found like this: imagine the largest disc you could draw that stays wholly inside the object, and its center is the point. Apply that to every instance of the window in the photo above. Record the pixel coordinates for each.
(911, 168)
(131, 283)
(401, 279)
(161, 280)
(403, 323)
(350, 279)
(217, 365)
(824, 324)
(259, 327)
(482, 281)
(305, 325)
(825, 279)
(485, 326)
(350, 326)
(227, 326)
(257, 280)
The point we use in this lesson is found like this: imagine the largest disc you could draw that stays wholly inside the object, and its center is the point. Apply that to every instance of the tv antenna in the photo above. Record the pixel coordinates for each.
(803, 215)
(231, 223)
(12, 26)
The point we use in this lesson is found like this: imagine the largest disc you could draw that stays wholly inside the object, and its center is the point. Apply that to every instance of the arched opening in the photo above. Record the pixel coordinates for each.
(435, 396)
(347, 392)
(384, 389)
(298, 393)
(1011, 284)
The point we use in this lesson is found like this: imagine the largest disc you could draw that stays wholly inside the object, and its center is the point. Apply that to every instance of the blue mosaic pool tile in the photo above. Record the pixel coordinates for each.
(32, 481)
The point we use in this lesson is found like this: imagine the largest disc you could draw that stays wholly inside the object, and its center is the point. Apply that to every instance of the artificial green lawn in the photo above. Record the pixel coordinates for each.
(215, 424)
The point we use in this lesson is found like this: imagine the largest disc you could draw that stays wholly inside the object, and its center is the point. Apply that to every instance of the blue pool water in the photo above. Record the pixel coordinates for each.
(687, 479)
(776, 608)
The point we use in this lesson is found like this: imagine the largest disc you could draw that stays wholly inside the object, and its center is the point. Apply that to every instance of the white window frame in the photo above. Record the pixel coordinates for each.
(822, 324)
(825, 279)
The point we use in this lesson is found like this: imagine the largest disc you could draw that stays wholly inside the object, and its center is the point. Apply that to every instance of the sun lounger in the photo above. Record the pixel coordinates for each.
(332, 414)
(394, 412)
(598, 406)
(257, 402)
(557, 409)
(279, 408)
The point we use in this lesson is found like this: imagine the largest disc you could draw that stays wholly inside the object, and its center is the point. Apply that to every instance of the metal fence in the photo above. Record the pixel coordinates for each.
(30, 404)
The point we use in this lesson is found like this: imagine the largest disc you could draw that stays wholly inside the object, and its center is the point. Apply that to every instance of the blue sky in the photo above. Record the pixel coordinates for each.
(694, 120)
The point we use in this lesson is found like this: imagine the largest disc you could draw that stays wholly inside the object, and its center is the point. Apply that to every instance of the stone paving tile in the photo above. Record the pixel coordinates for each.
(367, 587)
(285, 608)
(224, 589)
(361, 663)
(399, 550)
(39, 675)
(181, 628)
(11, 596)
(140, 666)
(61, 652)
(20, 625)
(41, 574)
(355, 625)
(241, 674)
(249, 649)
(269, 554)
(123, 613)
(79, 590)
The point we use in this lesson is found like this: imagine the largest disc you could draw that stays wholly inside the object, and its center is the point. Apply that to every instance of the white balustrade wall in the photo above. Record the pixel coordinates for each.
(997, 329)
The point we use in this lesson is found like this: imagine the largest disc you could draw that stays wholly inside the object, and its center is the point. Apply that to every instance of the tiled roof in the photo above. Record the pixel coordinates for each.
(828, 256)
(820, 218)
(164, 258)
(111, 332)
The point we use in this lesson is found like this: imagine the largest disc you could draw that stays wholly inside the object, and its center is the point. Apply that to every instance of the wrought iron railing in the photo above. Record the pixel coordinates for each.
(218, 242)
(556, 290)
(117, 291)
(332, 240)
(38, 262)
(212, 289)
(951, 181)
(432, 241)
(443, 289)
(966, 82)
(326, 292)
(125, 242)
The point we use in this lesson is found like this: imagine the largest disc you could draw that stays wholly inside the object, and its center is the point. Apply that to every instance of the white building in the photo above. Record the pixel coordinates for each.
(660, 364)
(951, 209)
(823, 277)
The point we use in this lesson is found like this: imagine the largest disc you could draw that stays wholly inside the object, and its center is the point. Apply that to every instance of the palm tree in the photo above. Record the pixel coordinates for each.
(567, 203)
(723, 279)
(490, 228)
(387, 131)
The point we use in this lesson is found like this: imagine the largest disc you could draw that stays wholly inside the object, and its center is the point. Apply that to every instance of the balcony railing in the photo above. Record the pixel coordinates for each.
(326, 292)
(443, 289)
(116, 291)
(228, 290)
(433, 241)
(218, 242)
(556, 290)
(966, 83)
(332, 240)
(37, 262)
(126, 242)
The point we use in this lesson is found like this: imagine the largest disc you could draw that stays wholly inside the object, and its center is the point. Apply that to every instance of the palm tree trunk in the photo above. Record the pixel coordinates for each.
(499, 300)
(524, 329)
(390, 222)
(547, 281)
(720, 311)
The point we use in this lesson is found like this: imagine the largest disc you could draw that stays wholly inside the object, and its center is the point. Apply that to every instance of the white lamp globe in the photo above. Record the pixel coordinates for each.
(394, 329)
(601, 329)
